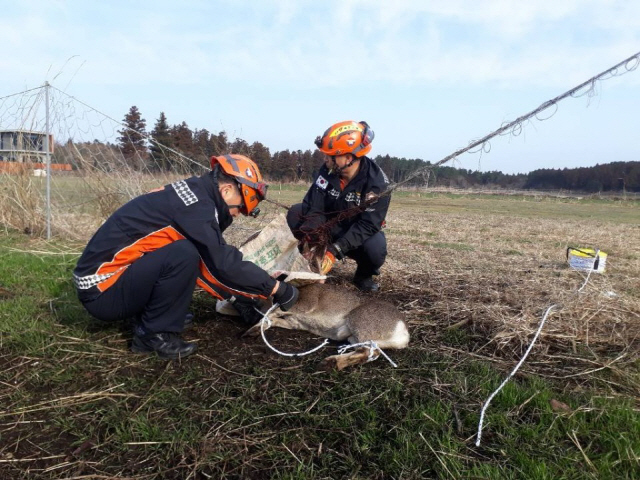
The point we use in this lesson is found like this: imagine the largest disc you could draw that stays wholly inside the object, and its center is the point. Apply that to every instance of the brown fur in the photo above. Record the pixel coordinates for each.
(339, 314)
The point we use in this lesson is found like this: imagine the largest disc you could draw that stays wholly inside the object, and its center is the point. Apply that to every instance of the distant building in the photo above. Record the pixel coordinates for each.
(25, 150)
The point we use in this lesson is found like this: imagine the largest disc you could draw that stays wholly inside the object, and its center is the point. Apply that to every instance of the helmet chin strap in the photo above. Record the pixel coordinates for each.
(241, 206)
(338, 169)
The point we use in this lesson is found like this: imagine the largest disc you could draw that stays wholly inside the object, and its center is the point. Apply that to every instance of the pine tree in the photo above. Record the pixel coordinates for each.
(260, 154)
(132, 142)
(219, 144)
(240, 147)
(201, 147)
(161, 135)
(183, 142)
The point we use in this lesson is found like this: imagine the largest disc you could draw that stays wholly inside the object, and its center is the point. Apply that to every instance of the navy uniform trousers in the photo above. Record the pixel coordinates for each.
(370, 256)
(156, 289)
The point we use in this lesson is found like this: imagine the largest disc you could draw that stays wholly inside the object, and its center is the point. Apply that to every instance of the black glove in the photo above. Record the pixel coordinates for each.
(286, 296)
(247, 310)
(337, 252)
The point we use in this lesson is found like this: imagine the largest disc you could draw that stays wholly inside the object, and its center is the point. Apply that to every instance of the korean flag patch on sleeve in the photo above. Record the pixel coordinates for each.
(322, 182)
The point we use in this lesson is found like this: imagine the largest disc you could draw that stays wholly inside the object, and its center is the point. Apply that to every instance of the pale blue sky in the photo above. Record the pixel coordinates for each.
(428, 76)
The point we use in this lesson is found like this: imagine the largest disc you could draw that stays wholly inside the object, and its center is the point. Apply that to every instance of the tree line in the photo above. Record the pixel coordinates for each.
(199, 145)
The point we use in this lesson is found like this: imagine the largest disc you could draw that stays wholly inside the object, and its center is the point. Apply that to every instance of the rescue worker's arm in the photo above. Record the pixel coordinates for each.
(369, 223)
(223, 271)
(313, 208)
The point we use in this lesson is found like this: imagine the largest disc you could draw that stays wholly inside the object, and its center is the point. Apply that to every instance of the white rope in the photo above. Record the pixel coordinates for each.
(486, 404)
(535, 337)
(593, 266)
(373, 346)
(267, 322)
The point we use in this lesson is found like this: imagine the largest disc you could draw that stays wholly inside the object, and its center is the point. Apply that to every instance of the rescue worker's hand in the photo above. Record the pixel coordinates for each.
(247, 310)
(336, 251)
(286, 295)
(327, 262)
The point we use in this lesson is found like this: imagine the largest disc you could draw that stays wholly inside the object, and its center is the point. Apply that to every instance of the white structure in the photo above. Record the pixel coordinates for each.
(24, 146)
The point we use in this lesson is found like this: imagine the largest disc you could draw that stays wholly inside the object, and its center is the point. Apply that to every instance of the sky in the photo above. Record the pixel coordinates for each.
(428, 76)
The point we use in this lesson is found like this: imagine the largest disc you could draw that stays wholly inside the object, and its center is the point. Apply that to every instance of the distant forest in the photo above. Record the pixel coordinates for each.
(298, 165)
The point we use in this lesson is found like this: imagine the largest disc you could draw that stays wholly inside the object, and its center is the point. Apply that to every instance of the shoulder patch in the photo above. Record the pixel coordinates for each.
(353, 197)
(322, 182)
(184, 192)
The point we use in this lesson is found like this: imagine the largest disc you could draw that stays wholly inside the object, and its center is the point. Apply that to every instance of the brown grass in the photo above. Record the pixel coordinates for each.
(492, 276)
(485, 268)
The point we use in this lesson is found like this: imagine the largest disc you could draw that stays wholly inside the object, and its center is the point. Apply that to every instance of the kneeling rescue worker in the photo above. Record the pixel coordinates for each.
(346, 180)
(146, 259)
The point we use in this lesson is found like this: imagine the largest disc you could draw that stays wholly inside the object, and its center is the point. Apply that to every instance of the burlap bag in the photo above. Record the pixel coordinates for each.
(275, 250)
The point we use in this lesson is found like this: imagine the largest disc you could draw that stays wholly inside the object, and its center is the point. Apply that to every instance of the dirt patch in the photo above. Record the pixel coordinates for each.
(5, 294)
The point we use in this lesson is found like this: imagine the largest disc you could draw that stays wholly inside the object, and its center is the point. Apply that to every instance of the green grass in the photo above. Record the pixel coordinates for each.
(137, 417)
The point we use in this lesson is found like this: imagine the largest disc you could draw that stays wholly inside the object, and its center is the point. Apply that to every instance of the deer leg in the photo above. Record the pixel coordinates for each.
(344, 360)
(283, 320)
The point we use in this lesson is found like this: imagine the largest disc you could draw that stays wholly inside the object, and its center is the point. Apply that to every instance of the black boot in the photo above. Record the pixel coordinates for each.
(366, 284)
(168, 345)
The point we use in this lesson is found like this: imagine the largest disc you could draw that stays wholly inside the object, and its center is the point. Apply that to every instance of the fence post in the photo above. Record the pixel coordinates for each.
(48, 157)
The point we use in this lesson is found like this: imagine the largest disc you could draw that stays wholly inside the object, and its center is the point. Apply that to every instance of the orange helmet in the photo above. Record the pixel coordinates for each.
(249, 178)
(346, 137)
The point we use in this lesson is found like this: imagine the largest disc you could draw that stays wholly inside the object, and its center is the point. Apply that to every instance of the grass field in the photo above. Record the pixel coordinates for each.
(473, 275)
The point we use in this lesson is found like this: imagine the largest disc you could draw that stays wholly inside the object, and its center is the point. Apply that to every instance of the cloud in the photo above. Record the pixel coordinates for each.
(307, 44)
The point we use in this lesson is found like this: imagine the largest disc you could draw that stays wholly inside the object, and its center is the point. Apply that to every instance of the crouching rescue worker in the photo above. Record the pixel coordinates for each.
(146, 259)
(344, 183)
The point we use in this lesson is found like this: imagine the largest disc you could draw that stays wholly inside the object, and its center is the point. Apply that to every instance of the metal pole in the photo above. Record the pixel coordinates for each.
(48, 157)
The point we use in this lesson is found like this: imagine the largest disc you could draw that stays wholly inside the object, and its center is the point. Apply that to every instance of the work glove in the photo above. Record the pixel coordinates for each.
(247, 308)
(327, 262)
(286, 296)
(336, 251)
(333, 253)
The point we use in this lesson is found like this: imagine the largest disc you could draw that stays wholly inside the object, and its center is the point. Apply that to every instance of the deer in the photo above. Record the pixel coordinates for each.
(336, 313)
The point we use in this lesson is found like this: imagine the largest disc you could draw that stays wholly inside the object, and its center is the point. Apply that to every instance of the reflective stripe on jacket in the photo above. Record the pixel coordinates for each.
(190, 209)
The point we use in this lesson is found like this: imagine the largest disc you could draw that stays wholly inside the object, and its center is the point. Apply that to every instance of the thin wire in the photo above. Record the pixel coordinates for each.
(21, 93)
(517, 123)
(147, 136)
(513, 128)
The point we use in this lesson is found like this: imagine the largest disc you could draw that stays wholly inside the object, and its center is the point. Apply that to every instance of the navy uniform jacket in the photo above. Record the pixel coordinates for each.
(191, 209)
(325, 200)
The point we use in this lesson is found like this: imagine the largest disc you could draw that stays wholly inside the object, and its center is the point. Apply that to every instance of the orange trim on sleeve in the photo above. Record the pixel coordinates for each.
(202, 284)
(206, 275)
(129, 254)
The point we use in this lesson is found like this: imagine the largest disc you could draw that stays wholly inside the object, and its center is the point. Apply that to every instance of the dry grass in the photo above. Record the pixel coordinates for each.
(483, 270)
(483, 265)
(492, 276)
(473, 275)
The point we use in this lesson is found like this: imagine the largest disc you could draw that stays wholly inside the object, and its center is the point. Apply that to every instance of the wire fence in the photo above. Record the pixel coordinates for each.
(63, 171)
